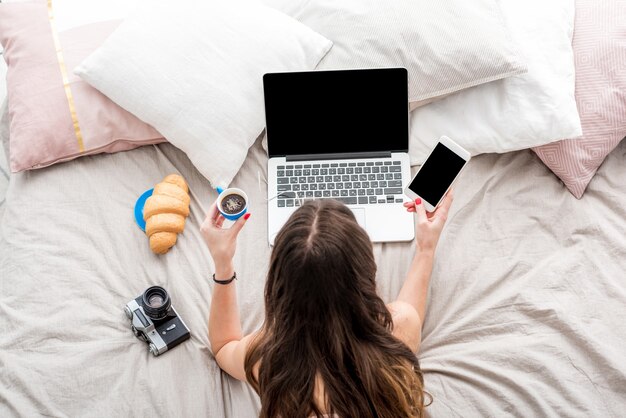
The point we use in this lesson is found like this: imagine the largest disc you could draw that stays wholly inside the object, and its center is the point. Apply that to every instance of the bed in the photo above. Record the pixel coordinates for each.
(525, 318)
(527, 305)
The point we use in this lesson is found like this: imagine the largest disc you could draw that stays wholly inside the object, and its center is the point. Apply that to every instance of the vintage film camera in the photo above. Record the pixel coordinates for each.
(154, 320)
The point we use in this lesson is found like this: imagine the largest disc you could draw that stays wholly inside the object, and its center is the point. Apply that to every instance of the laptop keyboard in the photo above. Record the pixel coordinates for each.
(362, 183)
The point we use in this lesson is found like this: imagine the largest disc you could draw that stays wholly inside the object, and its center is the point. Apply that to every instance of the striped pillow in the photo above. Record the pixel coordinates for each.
(600, 54)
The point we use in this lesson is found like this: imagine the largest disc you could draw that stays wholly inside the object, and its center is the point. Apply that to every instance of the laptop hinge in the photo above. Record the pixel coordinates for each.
(339, 156)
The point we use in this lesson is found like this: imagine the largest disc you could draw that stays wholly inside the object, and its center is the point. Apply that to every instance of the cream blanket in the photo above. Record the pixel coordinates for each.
(527, 312)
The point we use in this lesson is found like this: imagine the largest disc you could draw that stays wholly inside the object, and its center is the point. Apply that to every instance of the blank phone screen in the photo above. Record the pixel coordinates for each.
(436, 174)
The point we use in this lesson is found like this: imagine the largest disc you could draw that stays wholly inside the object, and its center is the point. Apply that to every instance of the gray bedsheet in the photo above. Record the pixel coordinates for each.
(527, 312)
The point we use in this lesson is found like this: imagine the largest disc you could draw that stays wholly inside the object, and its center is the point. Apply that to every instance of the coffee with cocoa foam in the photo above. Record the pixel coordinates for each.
(233, 203)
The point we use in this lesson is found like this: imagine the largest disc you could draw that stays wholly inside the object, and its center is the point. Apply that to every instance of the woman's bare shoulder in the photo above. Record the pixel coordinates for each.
(407, 324)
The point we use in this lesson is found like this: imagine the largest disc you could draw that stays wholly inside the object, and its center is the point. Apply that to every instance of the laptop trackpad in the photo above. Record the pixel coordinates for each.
(359, 214)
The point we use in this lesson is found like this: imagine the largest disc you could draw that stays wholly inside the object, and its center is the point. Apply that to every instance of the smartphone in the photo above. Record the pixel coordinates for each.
(435, 177)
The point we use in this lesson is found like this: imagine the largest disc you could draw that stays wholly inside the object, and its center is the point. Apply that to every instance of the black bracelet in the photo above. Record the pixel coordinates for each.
(227, 281)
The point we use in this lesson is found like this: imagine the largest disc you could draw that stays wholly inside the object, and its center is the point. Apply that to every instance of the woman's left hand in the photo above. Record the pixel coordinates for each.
(221, 242)
(429, 225)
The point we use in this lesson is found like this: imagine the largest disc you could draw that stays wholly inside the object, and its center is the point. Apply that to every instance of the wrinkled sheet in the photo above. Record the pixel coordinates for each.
(526, 316)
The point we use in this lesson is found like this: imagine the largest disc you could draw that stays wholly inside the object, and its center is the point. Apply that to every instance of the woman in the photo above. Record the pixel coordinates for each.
(329, 344)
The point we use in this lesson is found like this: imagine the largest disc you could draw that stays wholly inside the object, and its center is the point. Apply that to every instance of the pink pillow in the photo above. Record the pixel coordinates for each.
(50, 122)
(600, 54)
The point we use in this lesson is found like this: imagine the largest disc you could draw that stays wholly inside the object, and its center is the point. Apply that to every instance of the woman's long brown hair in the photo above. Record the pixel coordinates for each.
(324, 320)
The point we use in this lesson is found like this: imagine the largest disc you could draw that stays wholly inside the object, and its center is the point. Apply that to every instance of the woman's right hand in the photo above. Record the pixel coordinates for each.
(221, 242)
(429, 226)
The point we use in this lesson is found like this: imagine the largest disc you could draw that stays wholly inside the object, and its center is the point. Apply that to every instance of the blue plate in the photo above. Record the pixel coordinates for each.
(139, 209)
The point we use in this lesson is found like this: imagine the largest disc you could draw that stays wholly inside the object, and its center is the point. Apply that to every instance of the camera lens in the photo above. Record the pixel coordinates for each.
(156, 302)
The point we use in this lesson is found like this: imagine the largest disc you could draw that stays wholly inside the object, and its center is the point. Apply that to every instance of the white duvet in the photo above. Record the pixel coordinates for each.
(526, 315)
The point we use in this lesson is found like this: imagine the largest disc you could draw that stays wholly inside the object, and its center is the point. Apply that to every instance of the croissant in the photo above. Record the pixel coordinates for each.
(165, 213)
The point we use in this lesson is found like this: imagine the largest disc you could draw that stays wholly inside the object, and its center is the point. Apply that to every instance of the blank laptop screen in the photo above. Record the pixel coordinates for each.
(327, 112)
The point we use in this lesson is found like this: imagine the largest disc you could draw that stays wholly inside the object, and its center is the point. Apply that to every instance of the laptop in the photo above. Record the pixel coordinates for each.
(341, 134)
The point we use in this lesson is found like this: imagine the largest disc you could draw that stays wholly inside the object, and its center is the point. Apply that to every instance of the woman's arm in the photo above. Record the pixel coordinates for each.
(409, 308)
(224, 323)
(415, 287)
(225, 336)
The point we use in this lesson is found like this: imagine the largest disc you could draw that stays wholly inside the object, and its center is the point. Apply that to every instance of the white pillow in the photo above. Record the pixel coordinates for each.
(194, 70)
(446, 46)
(518, 112)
